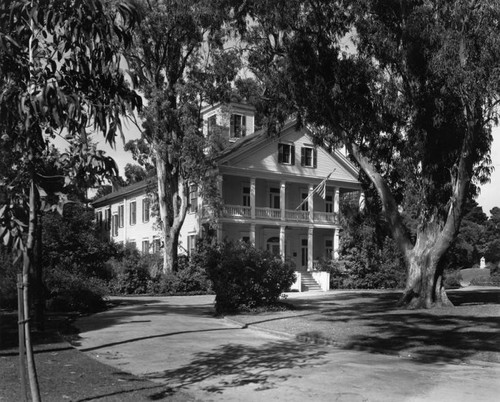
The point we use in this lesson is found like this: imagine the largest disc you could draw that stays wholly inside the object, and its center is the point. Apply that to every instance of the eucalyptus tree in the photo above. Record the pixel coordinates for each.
(59, 76)
(411, 88)
(184, 57)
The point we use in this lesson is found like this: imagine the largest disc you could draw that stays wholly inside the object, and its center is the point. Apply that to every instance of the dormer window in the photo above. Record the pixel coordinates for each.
(286, 154)
(238, 126)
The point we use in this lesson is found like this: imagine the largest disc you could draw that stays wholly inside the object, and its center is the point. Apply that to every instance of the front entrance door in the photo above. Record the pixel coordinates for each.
(304, 252)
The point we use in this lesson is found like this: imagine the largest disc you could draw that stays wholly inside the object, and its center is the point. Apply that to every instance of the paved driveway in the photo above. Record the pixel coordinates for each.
(177, 341)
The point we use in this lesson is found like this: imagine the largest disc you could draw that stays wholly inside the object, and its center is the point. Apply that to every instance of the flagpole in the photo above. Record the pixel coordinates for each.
(315, 190)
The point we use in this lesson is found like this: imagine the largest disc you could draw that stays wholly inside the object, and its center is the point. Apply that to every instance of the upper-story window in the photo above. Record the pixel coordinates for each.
(329, 203)
(193, 198)
(145, 209)
(211, 124)
(238, 126)
(286, 154)
(133, 212)
(308, 156)
(305, 205)
(246, 196)
(121, 215)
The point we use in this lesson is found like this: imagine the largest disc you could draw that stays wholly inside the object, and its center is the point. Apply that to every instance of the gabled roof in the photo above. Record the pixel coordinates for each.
(255, 144)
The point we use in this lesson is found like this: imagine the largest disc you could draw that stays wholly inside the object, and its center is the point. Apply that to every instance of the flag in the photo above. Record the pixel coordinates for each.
(320, 189)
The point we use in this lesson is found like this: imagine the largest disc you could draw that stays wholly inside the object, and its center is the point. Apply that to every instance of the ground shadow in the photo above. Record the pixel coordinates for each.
(370, 322)
(235, 365)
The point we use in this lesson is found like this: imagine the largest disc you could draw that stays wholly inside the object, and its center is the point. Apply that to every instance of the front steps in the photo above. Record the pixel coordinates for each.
(308, 283)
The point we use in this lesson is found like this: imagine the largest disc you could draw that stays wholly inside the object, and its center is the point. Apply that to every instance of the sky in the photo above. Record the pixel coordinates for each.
(488, 198)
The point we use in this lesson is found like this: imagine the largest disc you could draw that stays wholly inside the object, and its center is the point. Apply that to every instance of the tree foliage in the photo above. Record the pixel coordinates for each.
(411, 90)
(181, 62)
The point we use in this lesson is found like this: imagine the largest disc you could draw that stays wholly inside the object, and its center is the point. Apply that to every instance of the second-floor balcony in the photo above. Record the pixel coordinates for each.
(240, 211)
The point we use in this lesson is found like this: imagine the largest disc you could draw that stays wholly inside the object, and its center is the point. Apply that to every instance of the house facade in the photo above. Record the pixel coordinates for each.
(269, 187)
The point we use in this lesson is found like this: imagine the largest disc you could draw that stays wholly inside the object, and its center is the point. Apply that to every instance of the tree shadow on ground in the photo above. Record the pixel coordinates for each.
(370, 322)
(235, 365)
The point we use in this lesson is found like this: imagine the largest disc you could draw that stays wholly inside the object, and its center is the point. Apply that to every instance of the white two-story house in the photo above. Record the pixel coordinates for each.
(263, 181)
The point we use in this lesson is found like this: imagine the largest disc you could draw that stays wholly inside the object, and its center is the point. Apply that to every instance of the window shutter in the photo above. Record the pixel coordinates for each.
(292, 150)
(315, 158)
(302, 156)
(280, 153)
(231, 128)
(243, 126)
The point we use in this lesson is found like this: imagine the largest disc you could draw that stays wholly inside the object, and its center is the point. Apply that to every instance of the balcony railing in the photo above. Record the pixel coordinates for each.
(267, 213)
(236, 211)
(239, 211)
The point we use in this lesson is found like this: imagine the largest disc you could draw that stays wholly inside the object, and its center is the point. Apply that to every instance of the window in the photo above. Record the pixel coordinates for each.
(286, 154)
(145, 247)
(308, 157)
(191, 244)
(121, 211)
(211, 124)
(329, 203)
(238, 126)
(305, 205)
(133, 212)
(193, 198)
(107, 218)
(274, 198)
(273, 245)
(115, 224)
(99, 219)
(145, 209)
(156, 245)
(246, 196)
(132, 244)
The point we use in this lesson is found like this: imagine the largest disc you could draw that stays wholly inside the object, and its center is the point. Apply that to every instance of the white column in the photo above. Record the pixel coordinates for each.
(282, 199)
(252, 198)
(336, 200)
(282, 242)
(311, 203)
(252, 234)
(336, 244)
(310, 244)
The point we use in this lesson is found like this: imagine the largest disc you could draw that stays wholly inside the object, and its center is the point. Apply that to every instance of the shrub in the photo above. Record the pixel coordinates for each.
(244, 277)
(452, 279)
(70, 290)
(130, 272)
(8, 279)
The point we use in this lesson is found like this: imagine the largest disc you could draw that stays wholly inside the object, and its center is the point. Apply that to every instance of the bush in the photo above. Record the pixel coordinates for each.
(8, 279)
(244, 277)
(190, 278)
(130, 272)
(452, 279)
(70, 290)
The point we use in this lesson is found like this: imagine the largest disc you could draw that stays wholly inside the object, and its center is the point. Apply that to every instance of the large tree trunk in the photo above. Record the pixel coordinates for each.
(424, 282)
(424, 285)
(172, 199)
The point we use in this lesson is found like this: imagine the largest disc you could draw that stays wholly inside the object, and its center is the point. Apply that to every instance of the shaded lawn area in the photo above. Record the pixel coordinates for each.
(66, 374)
(369, 321)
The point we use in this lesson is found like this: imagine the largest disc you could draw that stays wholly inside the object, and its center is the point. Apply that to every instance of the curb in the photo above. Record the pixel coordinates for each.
(257, 327)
